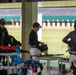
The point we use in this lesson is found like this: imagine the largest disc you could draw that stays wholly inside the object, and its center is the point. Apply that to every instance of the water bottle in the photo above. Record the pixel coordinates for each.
(17, 49)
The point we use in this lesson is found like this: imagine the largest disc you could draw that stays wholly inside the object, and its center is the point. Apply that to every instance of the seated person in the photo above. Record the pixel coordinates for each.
(5, 38)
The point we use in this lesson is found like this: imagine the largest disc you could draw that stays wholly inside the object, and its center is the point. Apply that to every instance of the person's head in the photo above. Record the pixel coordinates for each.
(2, 22)
(75, 25)
(36, 26)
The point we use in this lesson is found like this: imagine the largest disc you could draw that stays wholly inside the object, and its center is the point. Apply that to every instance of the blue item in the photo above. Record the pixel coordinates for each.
(17, 49)
(17, 59)
(32, 62)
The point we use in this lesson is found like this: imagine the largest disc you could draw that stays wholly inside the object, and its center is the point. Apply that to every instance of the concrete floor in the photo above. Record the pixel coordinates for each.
(55, 72)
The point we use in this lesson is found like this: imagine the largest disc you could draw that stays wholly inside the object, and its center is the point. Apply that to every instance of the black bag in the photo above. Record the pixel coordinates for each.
(43, 47)
(24, 71)
(3, 72)
(14, 74)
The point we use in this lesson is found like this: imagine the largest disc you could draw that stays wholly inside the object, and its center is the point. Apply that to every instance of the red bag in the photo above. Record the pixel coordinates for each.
(7, 47)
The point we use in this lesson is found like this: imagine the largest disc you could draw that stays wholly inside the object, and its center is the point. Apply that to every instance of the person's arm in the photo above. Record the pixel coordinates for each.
(14, 41)
(66, 39)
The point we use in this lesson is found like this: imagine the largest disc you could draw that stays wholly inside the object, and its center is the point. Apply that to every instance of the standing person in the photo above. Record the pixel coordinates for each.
(33, 40)
(70, 39)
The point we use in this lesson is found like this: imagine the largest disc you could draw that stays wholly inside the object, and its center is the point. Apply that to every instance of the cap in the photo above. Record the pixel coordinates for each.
(2, 21)
(36, 25)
